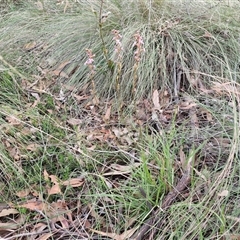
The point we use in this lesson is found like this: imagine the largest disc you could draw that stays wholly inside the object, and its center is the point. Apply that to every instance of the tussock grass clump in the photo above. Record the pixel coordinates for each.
(180, 41)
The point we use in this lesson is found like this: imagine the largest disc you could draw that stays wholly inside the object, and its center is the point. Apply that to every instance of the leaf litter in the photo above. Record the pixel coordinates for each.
(99, 124)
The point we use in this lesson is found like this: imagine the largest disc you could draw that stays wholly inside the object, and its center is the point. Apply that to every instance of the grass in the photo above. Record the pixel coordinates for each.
(146, 134)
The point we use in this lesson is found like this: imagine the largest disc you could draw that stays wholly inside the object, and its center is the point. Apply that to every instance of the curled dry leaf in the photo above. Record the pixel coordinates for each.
(55, 189)
(6, 212)
(74, 182)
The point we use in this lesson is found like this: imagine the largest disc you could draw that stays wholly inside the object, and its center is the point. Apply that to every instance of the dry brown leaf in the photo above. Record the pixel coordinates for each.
(60, 209)
(155, 99)
(14, 153)
(6, 143)
(28, 131)
(226, 88)
(224, 193)
(21, 219)
(39, 227)
(46, 175)
(87, 224)
(55, 189)
(74, 182)
(95, 101)
(34, 205)
(32, 147)
(36, 95)
(74, 121)
(141, 115)
(124, 168)
(6, 212)
(31, 45)
(55, 212)
(123, 236)
(23, 193)
(9, 226)
(61, 219)
(164, 98)
(187, 105)
(207, 34)
(117, 132)
(13, 120)
(59, 70)
(54, 179)
(222, 142)
(80, 98)
(121, 169)
(107, 114)
(209, 116)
